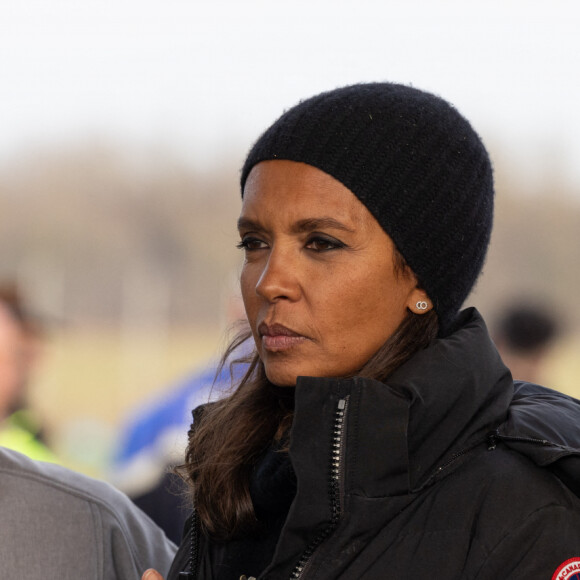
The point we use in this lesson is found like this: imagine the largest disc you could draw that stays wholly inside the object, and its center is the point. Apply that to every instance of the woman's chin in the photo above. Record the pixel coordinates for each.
(286, 375)
(281, 378)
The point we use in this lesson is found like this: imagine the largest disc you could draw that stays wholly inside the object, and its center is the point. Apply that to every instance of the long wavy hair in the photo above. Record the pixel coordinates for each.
(230, 434)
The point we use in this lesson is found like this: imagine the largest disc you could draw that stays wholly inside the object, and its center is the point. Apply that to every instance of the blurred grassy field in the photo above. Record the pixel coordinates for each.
(88, 381)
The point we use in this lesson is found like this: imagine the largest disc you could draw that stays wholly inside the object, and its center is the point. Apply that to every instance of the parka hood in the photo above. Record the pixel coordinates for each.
(544, 425)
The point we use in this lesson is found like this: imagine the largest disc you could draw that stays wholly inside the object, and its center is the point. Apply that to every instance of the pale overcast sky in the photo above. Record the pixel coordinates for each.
(205, 78)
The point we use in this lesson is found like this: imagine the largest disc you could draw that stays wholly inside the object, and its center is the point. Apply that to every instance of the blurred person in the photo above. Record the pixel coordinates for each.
(524, 335)
(20, 343)
(151, 443)
(377, 433)
(153, 437)
(57, 524)
(61, 525)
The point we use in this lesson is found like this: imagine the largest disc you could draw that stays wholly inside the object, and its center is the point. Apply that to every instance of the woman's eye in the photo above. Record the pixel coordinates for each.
(249, 244)
(322, 244)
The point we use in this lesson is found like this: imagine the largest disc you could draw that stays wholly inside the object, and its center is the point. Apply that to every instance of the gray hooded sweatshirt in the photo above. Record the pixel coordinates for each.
(56, 524)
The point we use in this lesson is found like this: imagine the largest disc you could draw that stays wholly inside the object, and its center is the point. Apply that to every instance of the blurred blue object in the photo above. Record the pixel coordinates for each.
(143, 432)
(154, 440)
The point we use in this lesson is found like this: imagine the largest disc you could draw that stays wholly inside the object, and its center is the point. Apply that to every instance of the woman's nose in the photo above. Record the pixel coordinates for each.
(279, 278)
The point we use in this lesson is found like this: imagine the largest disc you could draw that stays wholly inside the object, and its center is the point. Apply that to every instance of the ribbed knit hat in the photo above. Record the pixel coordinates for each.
(414, 162)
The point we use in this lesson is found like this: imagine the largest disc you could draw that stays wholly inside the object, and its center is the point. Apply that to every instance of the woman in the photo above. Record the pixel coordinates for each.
(373, 435)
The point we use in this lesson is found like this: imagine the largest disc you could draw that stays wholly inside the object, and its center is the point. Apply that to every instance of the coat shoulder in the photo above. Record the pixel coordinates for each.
(52, 514)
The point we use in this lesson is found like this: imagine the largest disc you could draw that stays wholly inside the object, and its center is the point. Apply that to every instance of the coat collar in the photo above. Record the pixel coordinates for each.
(443, 400)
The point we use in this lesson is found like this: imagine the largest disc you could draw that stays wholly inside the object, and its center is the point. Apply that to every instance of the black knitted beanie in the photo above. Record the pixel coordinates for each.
(414, 162)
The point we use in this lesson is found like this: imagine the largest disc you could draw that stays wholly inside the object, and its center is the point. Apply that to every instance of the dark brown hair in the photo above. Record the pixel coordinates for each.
(233, 432)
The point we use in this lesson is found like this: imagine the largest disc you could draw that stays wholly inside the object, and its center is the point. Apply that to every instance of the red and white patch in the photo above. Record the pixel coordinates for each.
(569, 570)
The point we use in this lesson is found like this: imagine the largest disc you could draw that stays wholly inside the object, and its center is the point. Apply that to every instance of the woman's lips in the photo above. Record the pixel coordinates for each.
(276, 337)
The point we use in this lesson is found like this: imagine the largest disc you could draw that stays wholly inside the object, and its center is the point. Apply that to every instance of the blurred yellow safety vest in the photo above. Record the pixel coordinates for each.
(14, 436)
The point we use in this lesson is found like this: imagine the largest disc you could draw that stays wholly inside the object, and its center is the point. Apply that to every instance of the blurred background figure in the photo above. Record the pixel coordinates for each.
(153, 436)
(20, 346)
(524, 336)
(152, 441)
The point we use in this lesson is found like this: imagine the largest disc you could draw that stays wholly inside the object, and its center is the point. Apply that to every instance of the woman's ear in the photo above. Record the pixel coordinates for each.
(419, 302)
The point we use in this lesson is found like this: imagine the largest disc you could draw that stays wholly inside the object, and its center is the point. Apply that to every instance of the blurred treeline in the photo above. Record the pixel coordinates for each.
(535, 247)
(98, 237)
(129, 260)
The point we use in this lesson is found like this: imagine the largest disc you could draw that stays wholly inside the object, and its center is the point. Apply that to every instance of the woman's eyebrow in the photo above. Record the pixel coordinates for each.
(301, 226)
(248, 224)
(311, 224)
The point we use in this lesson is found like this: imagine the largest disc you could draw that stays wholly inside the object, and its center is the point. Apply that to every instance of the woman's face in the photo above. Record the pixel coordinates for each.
(318, 282)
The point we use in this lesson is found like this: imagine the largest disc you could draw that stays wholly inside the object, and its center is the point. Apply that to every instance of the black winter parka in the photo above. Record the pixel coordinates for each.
(448, 470)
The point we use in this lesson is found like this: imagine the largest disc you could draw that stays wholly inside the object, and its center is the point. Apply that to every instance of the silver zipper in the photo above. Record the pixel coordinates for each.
(335, 488)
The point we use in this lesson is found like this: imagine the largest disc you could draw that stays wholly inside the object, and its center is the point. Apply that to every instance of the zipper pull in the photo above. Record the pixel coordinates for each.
(492, 439)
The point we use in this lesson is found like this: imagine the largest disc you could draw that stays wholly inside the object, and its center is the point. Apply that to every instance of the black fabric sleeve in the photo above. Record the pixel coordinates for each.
(544, 541)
